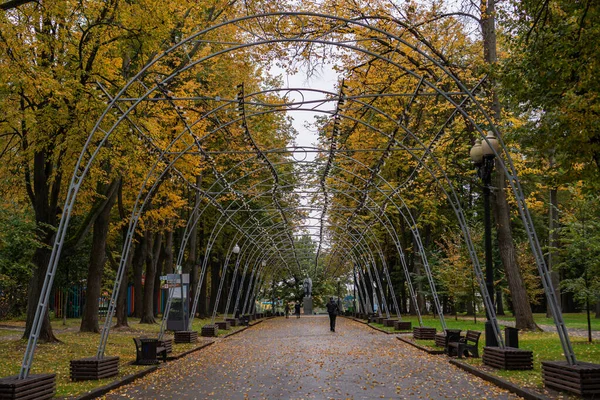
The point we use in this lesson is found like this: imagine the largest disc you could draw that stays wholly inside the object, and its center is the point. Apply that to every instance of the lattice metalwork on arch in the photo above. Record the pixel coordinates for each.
(270, 193)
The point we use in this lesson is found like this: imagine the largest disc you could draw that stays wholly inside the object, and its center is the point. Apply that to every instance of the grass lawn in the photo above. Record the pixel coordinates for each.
(572, 320)
(545, 345)
(432, 322)
(55, 357)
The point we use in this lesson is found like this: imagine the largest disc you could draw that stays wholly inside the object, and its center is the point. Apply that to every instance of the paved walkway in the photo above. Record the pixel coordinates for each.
(300, 359)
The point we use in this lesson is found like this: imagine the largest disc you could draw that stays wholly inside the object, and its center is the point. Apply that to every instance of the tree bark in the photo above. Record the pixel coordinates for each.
(44, 199)
(40, 259)
(139, 257)
(522, 308)
(89, 320)
(159, 271)
(214, 283)
(553, 242)
(168, 248)
(499, 302)
(151, 263)
(121, 311)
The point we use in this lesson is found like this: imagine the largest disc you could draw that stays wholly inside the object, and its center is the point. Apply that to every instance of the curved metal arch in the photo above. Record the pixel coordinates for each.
(512, 178)
(195, 216)
(394, 238)
(373, 240)
(417, 238)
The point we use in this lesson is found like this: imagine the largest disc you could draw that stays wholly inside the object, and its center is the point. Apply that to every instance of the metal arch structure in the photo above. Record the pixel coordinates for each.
(129, 96)
(195, 216)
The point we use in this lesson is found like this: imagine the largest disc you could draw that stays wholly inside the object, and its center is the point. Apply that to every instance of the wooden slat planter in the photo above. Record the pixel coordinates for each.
(388, 322)
(38, 386)
(440, 339)
(167, 344)
(92, 368)
(233, 321)
(186, 336)
(423, 333)
(223, 325)
(508, 358)
(402, 325)
(582, 378)
(209, 330)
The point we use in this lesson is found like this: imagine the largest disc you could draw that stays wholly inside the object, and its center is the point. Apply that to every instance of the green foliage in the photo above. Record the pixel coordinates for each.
(17, 245)
(550, 78)
(580, 250)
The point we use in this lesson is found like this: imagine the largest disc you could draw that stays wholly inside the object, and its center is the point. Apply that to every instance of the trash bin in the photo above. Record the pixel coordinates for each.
(490, 336)
(511, 337)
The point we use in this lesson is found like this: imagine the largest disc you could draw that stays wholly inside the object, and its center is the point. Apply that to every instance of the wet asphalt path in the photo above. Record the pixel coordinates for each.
(301, 359)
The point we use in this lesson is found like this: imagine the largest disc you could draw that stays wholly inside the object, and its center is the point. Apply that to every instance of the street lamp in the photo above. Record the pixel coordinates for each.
(236, 249)
(482, 154)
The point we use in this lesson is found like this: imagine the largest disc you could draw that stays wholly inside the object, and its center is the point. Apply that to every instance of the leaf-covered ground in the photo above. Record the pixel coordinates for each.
(301, 359)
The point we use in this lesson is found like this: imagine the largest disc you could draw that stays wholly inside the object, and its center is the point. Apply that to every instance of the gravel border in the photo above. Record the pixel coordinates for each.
(511, 387)
(425, 349)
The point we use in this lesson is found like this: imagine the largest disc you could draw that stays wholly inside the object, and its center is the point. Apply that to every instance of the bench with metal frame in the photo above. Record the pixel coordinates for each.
(467, 344)
(148, 351)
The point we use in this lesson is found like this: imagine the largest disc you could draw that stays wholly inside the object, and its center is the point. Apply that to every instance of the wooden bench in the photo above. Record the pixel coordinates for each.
(148, 351)
(468, 344)
(449, 336)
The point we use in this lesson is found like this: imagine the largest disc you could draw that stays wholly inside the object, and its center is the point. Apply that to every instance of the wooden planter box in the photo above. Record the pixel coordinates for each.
(440, 339)
(186, 336)
(38, 386)
(507, 358)
(209, 330)
(582, 378)
(92, 368)
(233, 321)
(423, 333)
(402, 325)
(223, 325)
(167, 344)
(389, 322)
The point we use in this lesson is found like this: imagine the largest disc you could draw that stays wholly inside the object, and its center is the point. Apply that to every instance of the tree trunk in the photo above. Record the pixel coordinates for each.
(553, 242)
(522, 308)
(139, 256)
(40, 259)
(159, 271)
(214, 283)
(201, 310)
(121, 311)
(597, 309)
(499, 302)
(89, 321)
(152, 254)
(168, 268)
(44, 199)
(192, 260)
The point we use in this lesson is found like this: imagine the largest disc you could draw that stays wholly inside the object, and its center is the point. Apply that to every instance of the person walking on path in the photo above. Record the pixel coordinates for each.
(287, 310)
(297, 309)
(332, 310)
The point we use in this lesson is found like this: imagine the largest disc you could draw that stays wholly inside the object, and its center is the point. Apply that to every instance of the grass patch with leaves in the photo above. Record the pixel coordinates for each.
(55, 357)
(545, 346)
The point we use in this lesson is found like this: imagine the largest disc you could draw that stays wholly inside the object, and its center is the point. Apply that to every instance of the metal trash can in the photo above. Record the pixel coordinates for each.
(511, 337)
(490, 336)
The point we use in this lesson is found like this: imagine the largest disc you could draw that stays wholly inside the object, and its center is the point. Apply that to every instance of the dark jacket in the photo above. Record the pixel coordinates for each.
(332, 308)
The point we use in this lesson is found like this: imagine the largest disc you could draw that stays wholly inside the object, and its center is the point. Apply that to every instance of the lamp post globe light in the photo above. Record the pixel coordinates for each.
(236, 249)
(482, 154)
